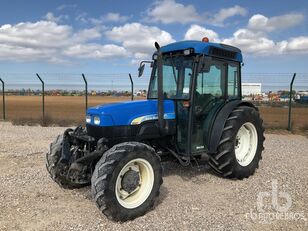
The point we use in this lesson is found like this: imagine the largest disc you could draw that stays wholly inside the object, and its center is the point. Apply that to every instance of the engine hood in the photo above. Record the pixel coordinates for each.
(129, 113)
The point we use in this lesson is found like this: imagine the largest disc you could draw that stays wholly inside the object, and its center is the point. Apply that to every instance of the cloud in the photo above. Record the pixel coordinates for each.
(65, 6)
(35, 35)
(219, 18)
(248, 41)
(49, 41)
(114, 17)
(259, 22)
(96, 51)
(19, 53)
(251, 42)
(86, 34)
(297, 45)
(139, 39)
(196, 32)
(109, 17)
(169, 11)
(254, 39)
(51, 17)
(258, 43)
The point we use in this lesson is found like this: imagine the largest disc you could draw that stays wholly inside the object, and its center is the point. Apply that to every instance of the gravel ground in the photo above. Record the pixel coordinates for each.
(191, 198)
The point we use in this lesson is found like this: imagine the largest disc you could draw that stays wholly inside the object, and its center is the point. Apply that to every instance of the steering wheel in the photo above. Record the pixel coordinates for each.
(201, 109)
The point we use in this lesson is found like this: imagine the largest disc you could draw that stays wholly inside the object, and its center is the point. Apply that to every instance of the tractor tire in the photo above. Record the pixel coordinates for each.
(241, 144)
(52, 164)
(116, 192)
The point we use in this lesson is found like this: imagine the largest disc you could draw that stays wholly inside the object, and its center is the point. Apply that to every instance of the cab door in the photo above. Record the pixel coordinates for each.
(209, 96)
(213, 87)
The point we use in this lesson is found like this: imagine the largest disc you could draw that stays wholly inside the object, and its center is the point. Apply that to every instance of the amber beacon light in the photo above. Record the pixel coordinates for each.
(205, 39)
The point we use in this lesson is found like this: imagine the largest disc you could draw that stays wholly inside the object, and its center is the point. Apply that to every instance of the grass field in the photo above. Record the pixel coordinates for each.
(70, 110)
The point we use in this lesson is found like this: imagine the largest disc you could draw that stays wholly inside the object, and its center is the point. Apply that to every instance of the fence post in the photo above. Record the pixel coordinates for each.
(290, 102)
(132, 85)
(3, 99)
(86, 91)
(43, 96)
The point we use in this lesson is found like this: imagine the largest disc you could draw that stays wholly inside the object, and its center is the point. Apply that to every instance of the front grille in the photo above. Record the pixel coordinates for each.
(98, 132)
(110, 132)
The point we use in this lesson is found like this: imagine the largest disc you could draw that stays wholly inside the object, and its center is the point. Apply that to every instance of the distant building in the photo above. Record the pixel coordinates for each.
(251, 89)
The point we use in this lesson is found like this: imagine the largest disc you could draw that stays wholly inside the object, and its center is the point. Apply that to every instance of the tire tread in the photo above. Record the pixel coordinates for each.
(223, 162)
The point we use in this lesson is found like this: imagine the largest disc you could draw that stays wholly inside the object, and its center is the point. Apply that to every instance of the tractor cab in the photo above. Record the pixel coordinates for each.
(200, 78)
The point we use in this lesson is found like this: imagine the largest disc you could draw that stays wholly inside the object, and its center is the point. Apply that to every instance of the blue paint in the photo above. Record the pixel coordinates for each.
(199, 47)
(123, 113)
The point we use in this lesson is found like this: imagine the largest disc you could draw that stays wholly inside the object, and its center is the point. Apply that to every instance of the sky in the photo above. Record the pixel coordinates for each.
(103, 36)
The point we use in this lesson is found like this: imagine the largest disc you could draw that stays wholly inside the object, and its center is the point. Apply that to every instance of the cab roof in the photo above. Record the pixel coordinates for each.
(206, 48)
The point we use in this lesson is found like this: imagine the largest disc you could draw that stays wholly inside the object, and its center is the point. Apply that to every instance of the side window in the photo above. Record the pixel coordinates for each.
(211, 82)
(153, 87)
(169, 80)
(233, 79)
(187, 77)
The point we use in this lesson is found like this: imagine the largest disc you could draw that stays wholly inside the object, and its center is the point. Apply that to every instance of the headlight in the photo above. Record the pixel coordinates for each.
(97, 120)
(88, 119)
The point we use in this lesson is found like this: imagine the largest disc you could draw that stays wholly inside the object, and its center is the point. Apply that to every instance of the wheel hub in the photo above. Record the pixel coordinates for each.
(130, 181)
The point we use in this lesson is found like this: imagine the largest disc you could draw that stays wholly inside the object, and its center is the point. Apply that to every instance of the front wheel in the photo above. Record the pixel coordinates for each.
(59, 171)
(126, 181)
(241, 144)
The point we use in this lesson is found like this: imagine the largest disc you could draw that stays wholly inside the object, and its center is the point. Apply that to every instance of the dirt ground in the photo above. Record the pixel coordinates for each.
(71, 110)
(191, 198)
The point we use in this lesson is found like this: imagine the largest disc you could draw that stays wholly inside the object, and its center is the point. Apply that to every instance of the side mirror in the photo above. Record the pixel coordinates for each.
(142, 65)
(205, 64)
(141, 69)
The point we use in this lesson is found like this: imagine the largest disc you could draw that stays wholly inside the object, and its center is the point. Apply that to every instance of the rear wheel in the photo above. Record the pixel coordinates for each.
(126, 181)
(241, 144)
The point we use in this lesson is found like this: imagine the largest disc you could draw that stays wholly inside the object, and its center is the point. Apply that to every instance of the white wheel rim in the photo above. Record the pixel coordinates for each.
(246, 143)
(142, 192)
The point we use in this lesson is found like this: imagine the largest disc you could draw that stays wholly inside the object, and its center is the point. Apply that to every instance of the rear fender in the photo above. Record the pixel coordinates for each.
(220, 120)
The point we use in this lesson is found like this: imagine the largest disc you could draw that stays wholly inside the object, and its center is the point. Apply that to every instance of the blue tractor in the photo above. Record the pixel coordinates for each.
(193, 112)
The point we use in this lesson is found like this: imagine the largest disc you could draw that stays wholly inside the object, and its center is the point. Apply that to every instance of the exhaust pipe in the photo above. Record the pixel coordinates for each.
(160, 93)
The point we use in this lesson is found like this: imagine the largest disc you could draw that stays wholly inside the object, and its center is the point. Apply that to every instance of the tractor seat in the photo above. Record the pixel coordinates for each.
(203, 103)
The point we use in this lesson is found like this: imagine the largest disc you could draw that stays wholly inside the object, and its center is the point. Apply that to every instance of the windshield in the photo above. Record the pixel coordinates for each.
(176, 71)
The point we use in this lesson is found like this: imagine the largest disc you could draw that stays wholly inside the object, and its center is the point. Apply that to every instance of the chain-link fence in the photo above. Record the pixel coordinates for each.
(274, 100)
(64, 96)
